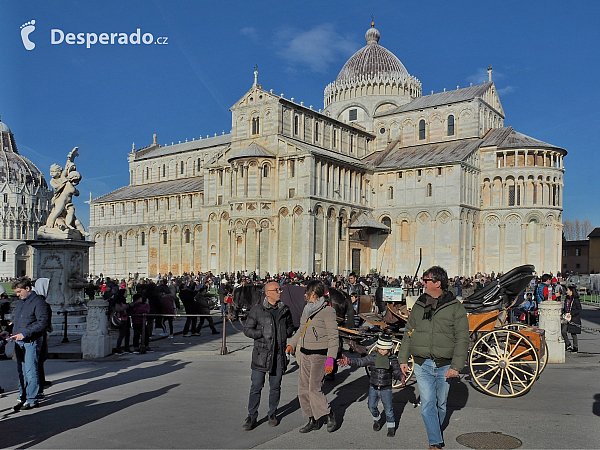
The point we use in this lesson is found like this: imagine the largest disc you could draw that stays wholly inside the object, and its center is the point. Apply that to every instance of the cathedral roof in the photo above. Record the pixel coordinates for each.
(398, 157)
(145, 191)
(154, 151)
(15, 168)
(365, 221)
(441, 98)
(507, 138)
(371, 61)
(252, 151)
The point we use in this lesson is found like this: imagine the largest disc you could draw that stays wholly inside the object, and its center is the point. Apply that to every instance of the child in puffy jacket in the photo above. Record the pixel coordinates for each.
(384, 367)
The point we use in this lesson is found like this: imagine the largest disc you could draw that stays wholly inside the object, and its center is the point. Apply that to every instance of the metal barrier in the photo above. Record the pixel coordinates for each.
(145, 316)
(593, 298)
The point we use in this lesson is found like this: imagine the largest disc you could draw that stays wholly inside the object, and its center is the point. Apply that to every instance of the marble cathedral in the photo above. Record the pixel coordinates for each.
(377, 177)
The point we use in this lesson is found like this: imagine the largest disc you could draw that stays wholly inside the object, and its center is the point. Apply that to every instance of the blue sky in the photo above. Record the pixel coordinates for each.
(545, 56)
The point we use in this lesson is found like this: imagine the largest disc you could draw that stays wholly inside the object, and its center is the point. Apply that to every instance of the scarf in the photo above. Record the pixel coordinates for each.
(382, 361)
(311, 308)
(431, 304)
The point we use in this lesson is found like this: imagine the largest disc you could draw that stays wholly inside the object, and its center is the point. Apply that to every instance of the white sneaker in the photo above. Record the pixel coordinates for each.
(170, 336)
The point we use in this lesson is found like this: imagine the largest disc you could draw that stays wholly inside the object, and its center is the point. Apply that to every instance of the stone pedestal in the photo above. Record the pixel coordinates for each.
(550, 321)
(64, 262)
(96, 342)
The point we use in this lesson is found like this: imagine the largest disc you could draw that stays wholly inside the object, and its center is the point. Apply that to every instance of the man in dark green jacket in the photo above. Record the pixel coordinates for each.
(437, 335)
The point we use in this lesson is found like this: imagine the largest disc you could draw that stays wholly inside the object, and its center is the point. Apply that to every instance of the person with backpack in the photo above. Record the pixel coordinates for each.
(544, 291)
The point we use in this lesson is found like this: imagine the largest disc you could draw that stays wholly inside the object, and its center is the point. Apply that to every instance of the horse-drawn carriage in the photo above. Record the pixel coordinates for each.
(504, 359)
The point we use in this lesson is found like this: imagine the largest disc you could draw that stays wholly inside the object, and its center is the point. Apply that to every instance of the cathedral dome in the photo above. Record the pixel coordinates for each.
(15, 169)
(371, 61)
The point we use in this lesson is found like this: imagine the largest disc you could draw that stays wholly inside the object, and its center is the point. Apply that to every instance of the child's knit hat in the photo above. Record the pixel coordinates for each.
(385, 342)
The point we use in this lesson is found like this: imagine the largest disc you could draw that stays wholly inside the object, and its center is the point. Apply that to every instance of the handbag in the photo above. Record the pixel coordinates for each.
(115, 320)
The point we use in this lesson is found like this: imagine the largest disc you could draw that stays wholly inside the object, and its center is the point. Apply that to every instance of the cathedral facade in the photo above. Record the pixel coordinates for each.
(379, 178)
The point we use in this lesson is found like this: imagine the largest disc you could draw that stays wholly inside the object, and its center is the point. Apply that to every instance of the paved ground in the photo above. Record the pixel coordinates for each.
(186, 395)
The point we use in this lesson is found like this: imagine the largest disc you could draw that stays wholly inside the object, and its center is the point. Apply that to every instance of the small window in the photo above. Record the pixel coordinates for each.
(199, 164)
(265, 171)
(291, 193)
(164, 233)
(156, 204)
(143, 238)
(120, 241)
(164, 171)
(3, 255)
(578, 266)
(255, 125)
(565, 252)
(382, 130)
(390, 193)
(351, 143)
(421, 129)
(220, 200)
(429, 190)
(134, 207)
(147, 173)
(353, 114)
(316, 131)
(577, 252)
(450, 125)
(112, 210)
(388, 223)
(334, 138)
(439, 171)
(419, 172)
(511, 196)
(5, 198)
(181, 170)
(399, 175)
(296, 124)
(102, 211)
(292, 168)
(187, 236)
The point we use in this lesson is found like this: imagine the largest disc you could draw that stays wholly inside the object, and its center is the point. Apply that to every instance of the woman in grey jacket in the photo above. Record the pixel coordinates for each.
(317, 342)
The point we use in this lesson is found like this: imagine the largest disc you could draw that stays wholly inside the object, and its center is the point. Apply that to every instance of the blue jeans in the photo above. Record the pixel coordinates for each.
(386, 398)
(28, 355)
(258, 381)
(433, 387)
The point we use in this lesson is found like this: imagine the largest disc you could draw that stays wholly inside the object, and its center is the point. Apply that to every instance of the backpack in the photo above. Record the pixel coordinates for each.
(539, 293)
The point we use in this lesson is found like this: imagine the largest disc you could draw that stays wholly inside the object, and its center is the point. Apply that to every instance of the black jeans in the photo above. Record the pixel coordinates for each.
(211, 324)
(124, 333)
(190, 321)
(137, 333)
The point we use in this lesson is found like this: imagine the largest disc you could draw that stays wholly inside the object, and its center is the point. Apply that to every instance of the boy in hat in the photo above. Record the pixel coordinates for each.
(384, 365)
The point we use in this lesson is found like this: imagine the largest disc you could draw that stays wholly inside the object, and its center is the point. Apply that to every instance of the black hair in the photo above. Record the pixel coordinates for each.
(438, 273)
(546, 277)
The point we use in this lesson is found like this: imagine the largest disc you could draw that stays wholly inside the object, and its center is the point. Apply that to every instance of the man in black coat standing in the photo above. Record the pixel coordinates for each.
(31, 319)
(270, 324)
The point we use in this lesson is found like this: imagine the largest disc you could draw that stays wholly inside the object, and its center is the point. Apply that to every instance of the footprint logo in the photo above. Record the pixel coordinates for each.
(26, 30)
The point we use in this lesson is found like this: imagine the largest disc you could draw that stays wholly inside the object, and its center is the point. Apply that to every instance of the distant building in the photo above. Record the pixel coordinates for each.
(25, 202)
(576, 256)
(594, 251)
(378, 175)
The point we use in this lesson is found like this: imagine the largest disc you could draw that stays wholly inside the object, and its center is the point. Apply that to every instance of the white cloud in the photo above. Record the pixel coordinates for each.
(481, 77)
(314, 49)
(506, 90)
(250, 32)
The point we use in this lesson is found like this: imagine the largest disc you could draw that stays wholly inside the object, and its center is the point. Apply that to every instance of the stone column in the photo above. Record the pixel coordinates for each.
(96, 342)
(550, 321)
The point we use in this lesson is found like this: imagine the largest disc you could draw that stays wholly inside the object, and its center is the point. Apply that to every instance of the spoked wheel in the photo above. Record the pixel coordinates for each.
(395, 350)
(542, 353)
(504, 363)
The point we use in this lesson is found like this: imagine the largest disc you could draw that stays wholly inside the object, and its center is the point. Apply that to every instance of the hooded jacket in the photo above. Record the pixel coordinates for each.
(31, 317)
(444, 338)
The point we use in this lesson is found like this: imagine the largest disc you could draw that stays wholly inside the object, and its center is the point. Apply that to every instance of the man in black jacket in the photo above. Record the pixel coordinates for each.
(30, 321)
(270, 324)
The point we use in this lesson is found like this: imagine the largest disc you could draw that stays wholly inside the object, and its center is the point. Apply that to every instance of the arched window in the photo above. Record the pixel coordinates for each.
(181, 170)
(450, 125)
(3, 255)
(255, 125)
(187, 236)
(164, 171)
(388, 223)
(296, 124)
(421, 129)
(316, 131)
(265, 171)
(390, 193)
(120, 241)
(143, 238)
(147, 173)
(199, 164)
(429, 190)
(164, 233)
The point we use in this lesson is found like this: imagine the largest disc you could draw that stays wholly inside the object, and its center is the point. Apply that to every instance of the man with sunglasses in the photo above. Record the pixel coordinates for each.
(437, 336)
(270, 324)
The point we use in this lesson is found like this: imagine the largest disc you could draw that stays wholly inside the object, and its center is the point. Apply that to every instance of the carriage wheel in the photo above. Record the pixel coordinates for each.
(543, 355)
(504, 363)
(395, 351)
